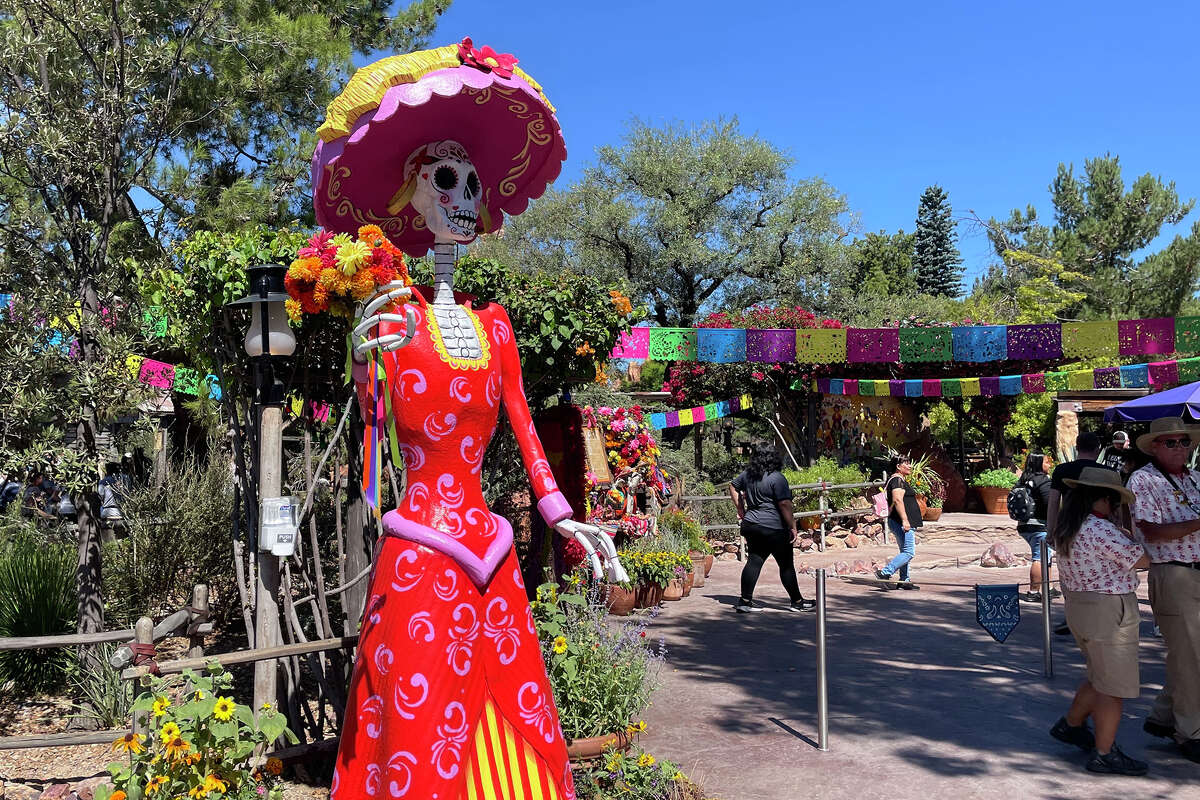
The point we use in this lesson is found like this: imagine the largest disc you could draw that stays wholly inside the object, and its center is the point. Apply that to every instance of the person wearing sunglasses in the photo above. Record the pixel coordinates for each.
(1166, 516)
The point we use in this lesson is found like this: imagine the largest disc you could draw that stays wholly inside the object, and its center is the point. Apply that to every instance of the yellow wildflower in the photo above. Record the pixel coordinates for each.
(178, 748)
(169, 731)
(130, 743)
(224, 708)
(161, 704)
(362, 285)
(156, 783)
(198, 791)
(560, 644)
(214, 784)
(352, 256)
(335, 281)
(645, 760)
(678, 776)
(274, 766)
(293, 309)
(613, 764)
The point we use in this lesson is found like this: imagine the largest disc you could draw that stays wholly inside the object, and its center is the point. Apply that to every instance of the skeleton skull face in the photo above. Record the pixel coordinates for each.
(447, 192)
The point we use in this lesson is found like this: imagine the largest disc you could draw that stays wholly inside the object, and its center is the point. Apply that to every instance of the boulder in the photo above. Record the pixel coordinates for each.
(731, 548)
(834, 543)
(55, 791)
(862, 567)
(998, 555)
(19, 791)
(804, 543)
(852, 540)
(86, 790)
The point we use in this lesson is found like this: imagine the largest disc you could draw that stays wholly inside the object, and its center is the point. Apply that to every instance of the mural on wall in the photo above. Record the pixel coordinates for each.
(854, 427)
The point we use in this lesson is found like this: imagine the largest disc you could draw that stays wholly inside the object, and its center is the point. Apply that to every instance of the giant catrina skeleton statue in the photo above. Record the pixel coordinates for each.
(449, 697)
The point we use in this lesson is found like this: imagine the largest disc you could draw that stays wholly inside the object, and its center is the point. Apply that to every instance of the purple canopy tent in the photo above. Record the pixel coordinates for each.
(1178, 402)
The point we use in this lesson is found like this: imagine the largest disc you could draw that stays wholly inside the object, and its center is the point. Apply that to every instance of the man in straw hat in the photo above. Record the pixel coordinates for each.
(1167, 516)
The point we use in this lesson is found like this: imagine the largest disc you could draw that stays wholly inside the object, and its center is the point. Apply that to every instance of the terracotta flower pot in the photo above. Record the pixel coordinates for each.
(594, 746)
(995, 499)
(809, 523)
(688, 581)
(922, 504)
(674, 590)
(619, 601)
(931, 514)
(698, 561)
(708, 562)
(648, 595)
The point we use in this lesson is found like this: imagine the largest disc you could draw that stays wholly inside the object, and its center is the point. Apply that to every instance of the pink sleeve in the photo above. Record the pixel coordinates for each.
(551, 504)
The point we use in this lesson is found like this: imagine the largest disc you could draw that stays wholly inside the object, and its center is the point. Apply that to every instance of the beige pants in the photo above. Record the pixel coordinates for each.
(1175, 596)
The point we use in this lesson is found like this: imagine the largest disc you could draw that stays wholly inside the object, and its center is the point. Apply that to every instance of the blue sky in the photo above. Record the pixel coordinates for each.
(880, 99)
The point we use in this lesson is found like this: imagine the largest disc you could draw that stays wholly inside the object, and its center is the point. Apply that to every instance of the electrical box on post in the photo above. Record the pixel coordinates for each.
(278, 525)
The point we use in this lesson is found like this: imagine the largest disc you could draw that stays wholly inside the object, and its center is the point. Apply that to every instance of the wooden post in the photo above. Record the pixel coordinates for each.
(143, 633)
(199, 615)
(266, 611)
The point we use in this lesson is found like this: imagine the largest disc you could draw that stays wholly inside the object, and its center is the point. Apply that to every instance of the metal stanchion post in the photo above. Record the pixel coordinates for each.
(824, 508)
(1048, 655)
(822, 689)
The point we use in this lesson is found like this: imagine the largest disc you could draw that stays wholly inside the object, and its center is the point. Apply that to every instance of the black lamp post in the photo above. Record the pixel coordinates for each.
(268, 337)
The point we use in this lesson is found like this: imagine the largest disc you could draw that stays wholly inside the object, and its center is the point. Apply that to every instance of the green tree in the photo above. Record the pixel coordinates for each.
(206, 108)
(1102, 229)
(936, 259)
(689, 218)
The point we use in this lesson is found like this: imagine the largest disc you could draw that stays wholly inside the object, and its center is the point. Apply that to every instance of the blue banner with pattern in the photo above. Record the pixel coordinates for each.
(997, 609)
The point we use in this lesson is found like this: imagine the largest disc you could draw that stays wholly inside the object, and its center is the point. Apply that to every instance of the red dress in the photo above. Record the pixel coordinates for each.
(449, 697)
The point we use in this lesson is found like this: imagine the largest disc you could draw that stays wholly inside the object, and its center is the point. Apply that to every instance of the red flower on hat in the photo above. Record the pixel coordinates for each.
(486, 59)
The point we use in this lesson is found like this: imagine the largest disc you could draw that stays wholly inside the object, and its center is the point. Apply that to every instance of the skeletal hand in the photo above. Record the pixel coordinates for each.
(367, 317)
(592, 538)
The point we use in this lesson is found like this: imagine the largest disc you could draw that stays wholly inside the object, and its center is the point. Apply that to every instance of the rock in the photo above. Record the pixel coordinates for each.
(19, 791)
(853, 541)
(86, 790)
(55, 791)
(803, 568)
(998, 555)
(727, 557)
(862, 567)
(839, 531)
(841, 568)
(834, 543)
(731, 548)
(804, 543)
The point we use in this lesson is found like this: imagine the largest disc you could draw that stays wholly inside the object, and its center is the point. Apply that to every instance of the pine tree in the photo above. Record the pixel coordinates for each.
(935, 258)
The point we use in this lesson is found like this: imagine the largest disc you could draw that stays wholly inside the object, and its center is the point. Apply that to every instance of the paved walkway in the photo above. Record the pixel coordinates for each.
(923, 703)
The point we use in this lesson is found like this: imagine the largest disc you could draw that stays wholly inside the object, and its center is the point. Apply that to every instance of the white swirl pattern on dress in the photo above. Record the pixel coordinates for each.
(396, 764)
(418, 497)
(405, 704)
(370, 713)
(383, 659)
(446, 586)
(374, 777)
(421, 623)
(418, 387)
(408, 579)
(451, 522)
(440, 424)
(498, 626)
(471, 454)
(466, 628)
(535, 710)
(491, 392)
(486, 523)
(541, 472)
(458, 389)
(501, 332)
(451, 737)
(413, 455)
(450, 490)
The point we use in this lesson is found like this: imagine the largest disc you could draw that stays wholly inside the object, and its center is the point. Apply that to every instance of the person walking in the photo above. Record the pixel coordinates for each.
(1167, 517)
(1097, 563)
(903, 520)
(764, 508)
(1033, 530)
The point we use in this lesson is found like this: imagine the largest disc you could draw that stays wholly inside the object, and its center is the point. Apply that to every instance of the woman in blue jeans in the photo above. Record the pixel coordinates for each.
(903, 520)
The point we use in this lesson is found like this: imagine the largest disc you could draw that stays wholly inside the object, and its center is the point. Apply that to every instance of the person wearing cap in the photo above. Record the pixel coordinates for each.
(1115, 453)
(1166, 516)
(1097, 563)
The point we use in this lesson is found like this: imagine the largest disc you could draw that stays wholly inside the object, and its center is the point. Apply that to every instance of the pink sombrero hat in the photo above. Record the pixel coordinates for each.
(476, 97)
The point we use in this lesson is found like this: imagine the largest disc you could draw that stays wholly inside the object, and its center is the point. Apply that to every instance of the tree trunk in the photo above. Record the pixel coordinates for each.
(359, 539)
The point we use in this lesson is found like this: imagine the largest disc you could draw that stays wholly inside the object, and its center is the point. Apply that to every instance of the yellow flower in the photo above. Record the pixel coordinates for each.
(352, 256)
(560, 644)
(156, 783)
(161, 704)
(340, 239)
(169, 731)
(177, 748)
(274, 766)
(130, 743)
(305, 269)
(613, 764)
(199, 694)
(362, 284)
(637, 727)
(293, 309)
(678, 776)
(198, 791)
(224, 708)
(335, 281)
(214, 784)
(645, 760)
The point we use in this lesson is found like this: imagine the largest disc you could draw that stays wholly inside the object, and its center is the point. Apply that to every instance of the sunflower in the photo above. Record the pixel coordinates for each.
(169, 731)
(161, 704)
(156, 783)
(198, 791)
(178, 748)
(560, 644)
(224, 709)
(274, 766)
(130, 743)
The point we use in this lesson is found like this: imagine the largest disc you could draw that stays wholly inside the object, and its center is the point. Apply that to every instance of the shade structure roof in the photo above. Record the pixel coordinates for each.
(1178, 402)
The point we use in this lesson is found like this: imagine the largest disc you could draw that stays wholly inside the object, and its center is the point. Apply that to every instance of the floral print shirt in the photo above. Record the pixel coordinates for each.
(1161, 503)
(1101, 559)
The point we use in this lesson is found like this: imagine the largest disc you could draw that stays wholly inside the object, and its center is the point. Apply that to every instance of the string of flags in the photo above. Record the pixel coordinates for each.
(1131, 376)
(691, 416)
(965, 343)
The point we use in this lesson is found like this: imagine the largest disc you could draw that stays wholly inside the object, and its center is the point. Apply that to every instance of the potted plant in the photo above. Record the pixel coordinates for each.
(933, 511)
(601, 674)
(675, 522)
(994, 486)
(649, 572)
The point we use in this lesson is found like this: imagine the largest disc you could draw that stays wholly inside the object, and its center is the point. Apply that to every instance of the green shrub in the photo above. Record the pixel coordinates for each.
(178, 537)
(37, 598)
(830, 471)
(100, 692)
(683, 525)
(635, 775)
(995, 478)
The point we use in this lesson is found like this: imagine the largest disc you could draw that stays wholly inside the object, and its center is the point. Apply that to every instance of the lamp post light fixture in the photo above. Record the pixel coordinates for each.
(269, 337)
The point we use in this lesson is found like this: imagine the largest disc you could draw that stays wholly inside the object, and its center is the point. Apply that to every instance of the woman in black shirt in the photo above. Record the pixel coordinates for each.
(1033, 531)
(764, 507)
(904, 518)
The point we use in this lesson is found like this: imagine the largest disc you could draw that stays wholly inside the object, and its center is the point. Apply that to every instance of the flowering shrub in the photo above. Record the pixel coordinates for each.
(200, 744)
(602, 674)
(654, 567)
(627, 438)
(635, 775)
(675, 522)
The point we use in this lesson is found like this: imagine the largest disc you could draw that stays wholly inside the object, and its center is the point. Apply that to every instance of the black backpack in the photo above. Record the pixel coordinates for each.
(1020, 503)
